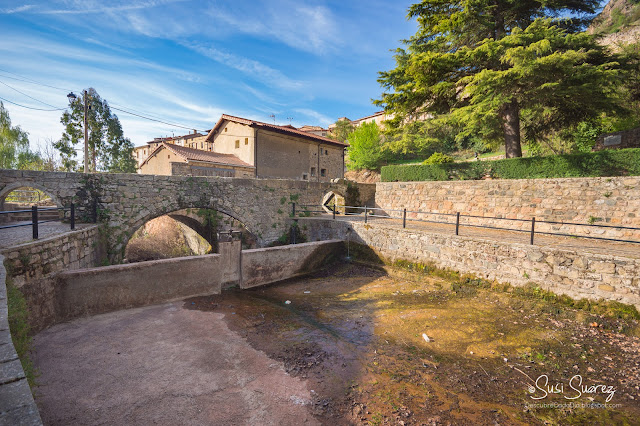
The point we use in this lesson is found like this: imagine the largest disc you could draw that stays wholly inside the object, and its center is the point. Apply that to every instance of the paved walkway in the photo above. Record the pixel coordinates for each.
(10, 237)
(566, 243)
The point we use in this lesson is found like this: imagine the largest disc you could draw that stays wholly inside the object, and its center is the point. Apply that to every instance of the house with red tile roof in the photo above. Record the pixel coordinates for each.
(278, 151)
(171, 159)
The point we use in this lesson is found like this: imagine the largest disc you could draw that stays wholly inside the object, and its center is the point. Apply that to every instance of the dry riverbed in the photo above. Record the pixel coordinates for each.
(353, 349)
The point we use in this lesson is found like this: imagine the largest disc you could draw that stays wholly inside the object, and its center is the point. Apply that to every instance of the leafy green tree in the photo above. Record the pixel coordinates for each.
(14, 145)
(496, 69)
(342, 130)
(109, 150)
(365, 150)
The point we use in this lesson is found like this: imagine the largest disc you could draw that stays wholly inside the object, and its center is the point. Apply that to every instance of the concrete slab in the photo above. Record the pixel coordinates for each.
(161, 365)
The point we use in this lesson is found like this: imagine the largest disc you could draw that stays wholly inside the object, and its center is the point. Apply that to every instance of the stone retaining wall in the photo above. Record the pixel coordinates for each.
(599, 201)
(37, 259)
(578, 274)
(618, 140)
(17, 406)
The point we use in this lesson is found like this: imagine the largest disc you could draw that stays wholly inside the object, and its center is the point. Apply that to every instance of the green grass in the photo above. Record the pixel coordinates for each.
(20, 329)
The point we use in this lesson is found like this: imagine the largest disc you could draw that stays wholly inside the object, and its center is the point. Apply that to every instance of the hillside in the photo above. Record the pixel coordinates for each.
(619, 22)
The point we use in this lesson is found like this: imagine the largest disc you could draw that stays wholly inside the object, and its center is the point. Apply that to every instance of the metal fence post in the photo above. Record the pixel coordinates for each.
(334, 212)
(365, 214)
(404, 218)
(34, 221)
(457, 223)
(73, 216)
(533, 228)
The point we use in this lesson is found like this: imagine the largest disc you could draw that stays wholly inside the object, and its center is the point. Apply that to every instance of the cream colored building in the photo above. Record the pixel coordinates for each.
(171, 159)
(193, 140)
(278, 151)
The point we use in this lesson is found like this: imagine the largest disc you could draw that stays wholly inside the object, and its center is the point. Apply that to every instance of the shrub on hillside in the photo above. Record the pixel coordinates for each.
(438, 158)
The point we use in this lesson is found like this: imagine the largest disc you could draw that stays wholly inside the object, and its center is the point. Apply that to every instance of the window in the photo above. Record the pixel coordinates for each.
(225, 129)
(237, 144)
(246, 141)
(200, 145)
(323, 172)
(305, 177)
(168, 156)
(313, 171)
(326, 152)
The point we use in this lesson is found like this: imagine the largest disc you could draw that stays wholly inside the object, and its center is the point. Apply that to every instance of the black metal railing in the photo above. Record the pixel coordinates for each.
(528, 225)
(36, 221)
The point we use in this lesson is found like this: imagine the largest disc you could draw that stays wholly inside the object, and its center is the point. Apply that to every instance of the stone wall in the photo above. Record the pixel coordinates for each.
(600, 201)
(578, 274)
(17, 406)
(618, 140)
(72, 250)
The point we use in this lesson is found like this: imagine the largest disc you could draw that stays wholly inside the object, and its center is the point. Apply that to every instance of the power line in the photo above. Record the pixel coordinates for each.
(152, 119)
(32, 81)
(36, 109)
(22, 93)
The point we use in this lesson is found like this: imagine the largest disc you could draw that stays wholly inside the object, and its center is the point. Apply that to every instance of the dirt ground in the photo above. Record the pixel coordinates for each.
(348, 348)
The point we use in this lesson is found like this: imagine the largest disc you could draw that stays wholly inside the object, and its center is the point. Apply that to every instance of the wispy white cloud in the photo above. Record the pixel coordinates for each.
(97, 7)
(18, 9)
(254, 69)
(303, 27)
(318, 117)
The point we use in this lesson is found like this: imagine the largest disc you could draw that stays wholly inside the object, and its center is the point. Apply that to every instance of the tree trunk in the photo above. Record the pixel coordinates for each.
(510, 116)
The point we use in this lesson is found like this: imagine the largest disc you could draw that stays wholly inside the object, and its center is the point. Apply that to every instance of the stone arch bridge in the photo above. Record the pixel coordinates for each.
(127, 201)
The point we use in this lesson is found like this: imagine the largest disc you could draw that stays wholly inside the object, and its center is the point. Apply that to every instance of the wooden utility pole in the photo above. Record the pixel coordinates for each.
(86, 134)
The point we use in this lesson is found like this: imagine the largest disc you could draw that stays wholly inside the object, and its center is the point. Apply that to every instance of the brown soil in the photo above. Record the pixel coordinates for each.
(160, 238)
(355, 335)
(363, 176)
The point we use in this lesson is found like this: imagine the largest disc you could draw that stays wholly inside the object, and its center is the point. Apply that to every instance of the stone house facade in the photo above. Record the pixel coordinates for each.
(279, 151)
(170, 160)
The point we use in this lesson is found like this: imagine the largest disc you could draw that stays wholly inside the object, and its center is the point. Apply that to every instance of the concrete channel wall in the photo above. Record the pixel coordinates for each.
(17, 406)
(576, 273)
(268, 265)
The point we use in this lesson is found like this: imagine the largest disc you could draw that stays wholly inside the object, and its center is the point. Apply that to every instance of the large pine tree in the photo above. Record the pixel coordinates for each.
(496, 69)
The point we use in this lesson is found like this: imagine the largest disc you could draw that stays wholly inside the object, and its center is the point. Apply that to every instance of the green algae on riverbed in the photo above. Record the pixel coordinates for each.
(356, 335)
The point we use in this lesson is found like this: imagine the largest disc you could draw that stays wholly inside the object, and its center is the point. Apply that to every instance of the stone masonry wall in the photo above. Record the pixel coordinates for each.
(618, 140)
(601, 201)
(37, 259)
(578, 274)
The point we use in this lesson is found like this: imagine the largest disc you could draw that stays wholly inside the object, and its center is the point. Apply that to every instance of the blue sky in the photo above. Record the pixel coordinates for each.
(187, 62)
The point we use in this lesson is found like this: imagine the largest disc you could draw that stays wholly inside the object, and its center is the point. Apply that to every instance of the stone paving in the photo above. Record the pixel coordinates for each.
(10, 237)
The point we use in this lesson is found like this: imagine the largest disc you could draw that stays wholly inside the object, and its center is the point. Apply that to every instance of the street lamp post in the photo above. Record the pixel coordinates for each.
(72, 97)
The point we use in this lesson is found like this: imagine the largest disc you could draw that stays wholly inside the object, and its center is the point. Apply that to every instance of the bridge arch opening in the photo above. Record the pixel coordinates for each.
(21, 196)
(333, 200)
(184, 232)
